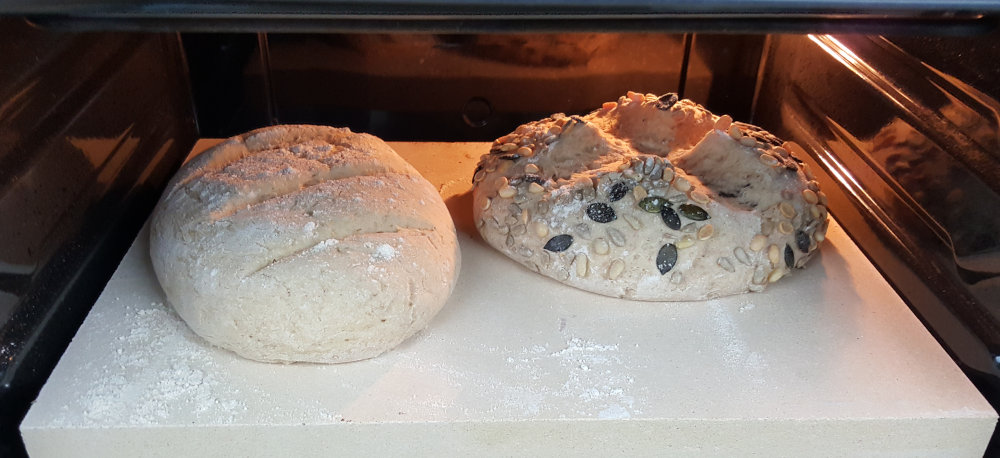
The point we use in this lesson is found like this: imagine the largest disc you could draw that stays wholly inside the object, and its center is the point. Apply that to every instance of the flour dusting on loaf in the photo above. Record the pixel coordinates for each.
(303, 243)
(650, 198)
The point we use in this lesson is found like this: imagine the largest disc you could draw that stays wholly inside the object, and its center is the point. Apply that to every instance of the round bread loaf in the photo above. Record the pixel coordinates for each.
(303, 243)
(650, 198)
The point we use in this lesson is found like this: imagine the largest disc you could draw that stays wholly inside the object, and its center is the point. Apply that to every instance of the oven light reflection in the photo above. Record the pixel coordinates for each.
(875, 79)
(838, 170)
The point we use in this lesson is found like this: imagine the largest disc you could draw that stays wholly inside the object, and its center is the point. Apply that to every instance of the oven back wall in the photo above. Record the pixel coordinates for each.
(458, 87)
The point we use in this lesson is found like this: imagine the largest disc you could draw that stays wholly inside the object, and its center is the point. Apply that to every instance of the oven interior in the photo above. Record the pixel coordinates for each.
(902, 127)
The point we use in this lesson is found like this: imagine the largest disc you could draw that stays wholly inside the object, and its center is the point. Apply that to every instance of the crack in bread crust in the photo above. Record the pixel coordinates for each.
(324, 242)
(251, 205)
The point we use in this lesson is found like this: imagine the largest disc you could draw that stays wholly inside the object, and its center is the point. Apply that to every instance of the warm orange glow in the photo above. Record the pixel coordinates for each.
(839, 51)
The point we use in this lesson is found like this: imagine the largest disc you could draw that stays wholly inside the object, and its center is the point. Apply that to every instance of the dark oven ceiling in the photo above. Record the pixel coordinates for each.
(457, 16)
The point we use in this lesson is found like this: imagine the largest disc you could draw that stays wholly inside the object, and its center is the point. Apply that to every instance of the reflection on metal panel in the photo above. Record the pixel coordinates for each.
(912, 157)
(91, 127)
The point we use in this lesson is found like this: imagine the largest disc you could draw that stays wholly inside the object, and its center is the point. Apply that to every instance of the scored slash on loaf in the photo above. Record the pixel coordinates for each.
(303, 243)
(650, 198)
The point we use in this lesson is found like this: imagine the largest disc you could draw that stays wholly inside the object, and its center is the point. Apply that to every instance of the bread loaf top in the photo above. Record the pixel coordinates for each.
(650, 198)
(303, 243)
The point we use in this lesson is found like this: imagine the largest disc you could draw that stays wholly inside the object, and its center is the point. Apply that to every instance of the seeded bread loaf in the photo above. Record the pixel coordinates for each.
(303, 243)
(650, 198)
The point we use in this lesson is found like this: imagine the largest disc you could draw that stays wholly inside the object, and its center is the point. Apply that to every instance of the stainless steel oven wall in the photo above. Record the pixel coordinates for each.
(91, 126)
(454, 87)
(905, 131)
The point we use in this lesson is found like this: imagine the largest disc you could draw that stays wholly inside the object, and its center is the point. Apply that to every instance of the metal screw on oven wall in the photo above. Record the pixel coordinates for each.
(477, 112)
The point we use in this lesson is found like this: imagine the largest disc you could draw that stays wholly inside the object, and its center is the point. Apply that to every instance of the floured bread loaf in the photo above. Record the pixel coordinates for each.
(650, 198)
(303, 243)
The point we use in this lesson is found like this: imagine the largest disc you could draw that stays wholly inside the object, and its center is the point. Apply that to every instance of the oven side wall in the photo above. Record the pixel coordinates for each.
(906, 145)
(91, 127)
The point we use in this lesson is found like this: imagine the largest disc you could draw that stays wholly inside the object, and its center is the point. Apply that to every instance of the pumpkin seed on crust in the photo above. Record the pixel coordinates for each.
(601, 212)
(666, 258)
(619, 190)
(652, 204)
(670, 218)
(666, 101)
(693, 212)
(559, 243)
(802, 241)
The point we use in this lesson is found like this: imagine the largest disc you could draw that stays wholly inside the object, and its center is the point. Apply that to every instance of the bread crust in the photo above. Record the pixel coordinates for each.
(650, 198)
(303, 243)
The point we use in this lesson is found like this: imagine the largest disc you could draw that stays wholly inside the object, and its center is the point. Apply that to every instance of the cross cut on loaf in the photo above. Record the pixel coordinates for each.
(650, 198)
